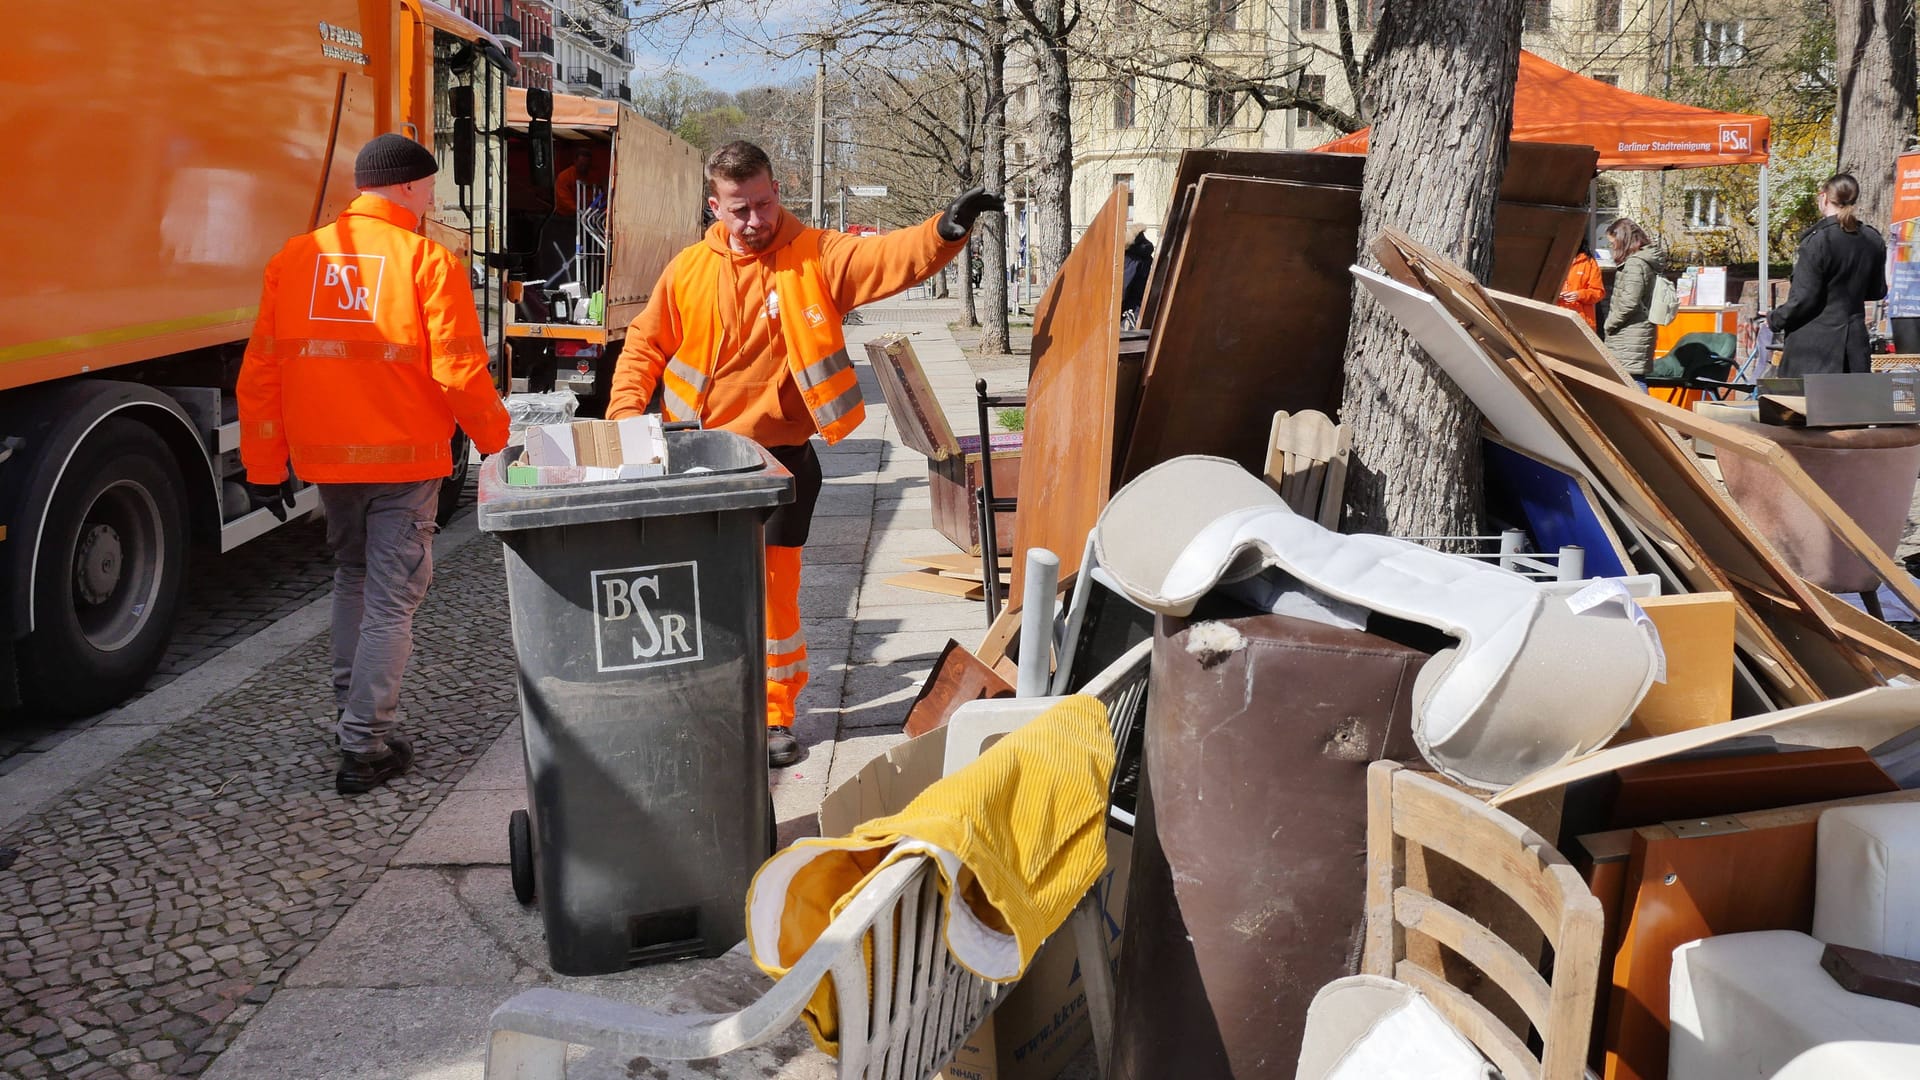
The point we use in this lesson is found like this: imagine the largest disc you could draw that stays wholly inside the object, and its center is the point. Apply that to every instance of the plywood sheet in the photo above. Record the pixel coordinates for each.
(1533, 246)
(1067, 459)
(1255, 321)
(657, 183)
(1696, 631)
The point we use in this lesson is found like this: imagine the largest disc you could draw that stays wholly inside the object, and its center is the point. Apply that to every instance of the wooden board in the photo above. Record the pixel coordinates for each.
(656, 182)
(1680, 887)
(958, 677)
(1255, 320)
(933, 582)
(916, 412)
(1067, 459)
(1533, 246)
(1696, 631)
(1774, 658)
(958, 562)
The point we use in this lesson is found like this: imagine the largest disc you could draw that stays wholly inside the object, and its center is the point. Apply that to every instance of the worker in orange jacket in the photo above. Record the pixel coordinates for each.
(743, 334)
(366, 352)
(1583, 289)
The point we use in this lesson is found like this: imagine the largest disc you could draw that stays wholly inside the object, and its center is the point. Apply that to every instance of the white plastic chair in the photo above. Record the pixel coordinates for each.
(922, 1008)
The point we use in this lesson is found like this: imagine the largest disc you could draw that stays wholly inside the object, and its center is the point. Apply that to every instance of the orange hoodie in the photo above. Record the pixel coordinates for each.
(753, 392)
(1584, 282)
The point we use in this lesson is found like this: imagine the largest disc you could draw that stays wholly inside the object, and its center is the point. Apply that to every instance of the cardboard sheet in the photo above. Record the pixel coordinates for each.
(1865, 719)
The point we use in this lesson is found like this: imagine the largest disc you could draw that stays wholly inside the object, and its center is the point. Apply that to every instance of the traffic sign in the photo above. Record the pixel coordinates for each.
(868, 191)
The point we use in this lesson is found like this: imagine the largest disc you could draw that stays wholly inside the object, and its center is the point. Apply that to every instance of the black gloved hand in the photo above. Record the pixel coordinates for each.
(957, 221)
(277, 499)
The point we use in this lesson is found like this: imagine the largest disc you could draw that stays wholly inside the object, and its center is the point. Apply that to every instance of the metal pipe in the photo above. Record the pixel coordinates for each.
(817, 210)
(1036, 623)
(1766, 239)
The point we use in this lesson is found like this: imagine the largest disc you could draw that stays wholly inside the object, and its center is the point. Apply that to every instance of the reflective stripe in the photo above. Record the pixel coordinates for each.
(336, 349)
(822, 369)
(262, 345)
(261, 429)
(785, 645)
(374, 454)
(849, 400)
(461, 346)
(677, 406)
(688, 374)
(786, 672)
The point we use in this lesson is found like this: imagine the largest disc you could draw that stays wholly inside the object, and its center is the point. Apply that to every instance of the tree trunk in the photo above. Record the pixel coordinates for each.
(1053, 164)
(1874, 57)
(1440, 94)
(963, 263)
(992, 228)
(940, 282)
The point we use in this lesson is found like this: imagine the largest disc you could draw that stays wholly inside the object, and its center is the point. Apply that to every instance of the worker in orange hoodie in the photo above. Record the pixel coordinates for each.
(743, 334)
(366, 352)
(1583, 289)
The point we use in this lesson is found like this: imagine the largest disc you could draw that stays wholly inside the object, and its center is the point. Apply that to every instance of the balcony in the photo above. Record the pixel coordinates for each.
(537, 48)
(623, 92)
(507, 30)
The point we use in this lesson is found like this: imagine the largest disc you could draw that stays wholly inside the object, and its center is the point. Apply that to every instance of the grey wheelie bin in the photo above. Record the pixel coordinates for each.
(639, 619)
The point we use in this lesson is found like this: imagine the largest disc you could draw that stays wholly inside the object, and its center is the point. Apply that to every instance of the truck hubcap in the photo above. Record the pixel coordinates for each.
(117, 562)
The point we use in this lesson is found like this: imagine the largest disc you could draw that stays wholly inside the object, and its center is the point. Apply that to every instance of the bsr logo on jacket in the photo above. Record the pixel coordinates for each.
(346, 288)
(647, 616)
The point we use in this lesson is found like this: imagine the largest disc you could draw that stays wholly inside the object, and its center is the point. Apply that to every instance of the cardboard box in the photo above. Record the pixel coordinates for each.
(583, 451)
(1042, 1022)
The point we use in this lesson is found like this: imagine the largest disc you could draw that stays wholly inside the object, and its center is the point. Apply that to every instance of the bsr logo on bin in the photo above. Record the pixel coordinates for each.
(647, 616)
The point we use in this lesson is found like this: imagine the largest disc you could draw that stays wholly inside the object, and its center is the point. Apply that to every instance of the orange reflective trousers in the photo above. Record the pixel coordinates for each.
(786, 642)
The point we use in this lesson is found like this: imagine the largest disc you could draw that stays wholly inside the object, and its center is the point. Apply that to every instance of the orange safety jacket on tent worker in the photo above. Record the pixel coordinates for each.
(366, 352)
(752, 344)
(1585, 285)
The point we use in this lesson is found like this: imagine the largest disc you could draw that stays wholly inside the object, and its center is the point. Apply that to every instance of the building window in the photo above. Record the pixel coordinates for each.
(1223, 14)
(1536, 14)
(1125, 100)
(1127, 179)
(1221, 105)
(1370, 11)
(1705, 210)
(1611, 78)
(1606, 205)
(1310, 15)
(1314, 87)
(1722, 43)
(1606, 15)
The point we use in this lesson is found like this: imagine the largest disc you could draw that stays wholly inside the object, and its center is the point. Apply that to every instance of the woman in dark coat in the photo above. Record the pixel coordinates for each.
(1841, 266)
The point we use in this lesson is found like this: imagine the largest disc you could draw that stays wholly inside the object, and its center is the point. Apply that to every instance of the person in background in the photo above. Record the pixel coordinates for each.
(1637, 262)
(1136, 267)
(366, 353)
(566, 196)
(1583, 289)
(743, 333)
(1841, 266)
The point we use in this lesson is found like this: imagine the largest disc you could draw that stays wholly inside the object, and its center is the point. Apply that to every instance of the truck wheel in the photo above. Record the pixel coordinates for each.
(110, 570)
(455, 485)
(520, 856)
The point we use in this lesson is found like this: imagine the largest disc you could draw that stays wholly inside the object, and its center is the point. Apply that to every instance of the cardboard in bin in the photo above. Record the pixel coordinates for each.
(584, 450)
(1041, 1023)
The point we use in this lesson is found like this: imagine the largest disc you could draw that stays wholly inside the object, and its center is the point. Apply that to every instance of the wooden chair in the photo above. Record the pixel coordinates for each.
(1405, 808)
(1307, 464)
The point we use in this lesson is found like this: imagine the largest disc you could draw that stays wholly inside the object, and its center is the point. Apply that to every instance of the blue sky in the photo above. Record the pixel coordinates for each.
(732, 52)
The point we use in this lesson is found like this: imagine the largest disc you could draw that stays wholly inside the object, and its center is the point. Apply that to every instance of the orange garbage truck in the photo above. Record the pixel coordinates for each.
(159, 155)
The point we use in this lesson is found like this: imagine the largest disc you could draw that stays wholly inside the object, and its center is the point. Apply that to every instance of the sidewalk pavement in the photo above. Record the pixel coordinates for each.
(182, 893)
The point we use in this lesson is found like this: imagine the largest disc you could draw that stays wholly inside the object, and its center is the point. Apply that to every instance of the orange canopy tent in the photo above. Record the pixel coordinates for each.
(1631, 131)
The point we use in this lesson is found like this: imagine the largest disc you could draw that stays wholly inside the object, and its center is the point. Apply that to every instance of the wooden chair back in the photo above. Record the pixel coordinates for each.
(1405, 808)
(1307, 464)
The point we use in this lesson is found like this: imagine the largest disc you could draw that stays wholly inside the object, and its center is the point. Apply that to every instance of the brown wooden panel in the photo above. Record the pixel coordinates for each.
(1670, 790)
(1551, 174)
(1067, 458)
(958, 677)
(1255, 320)
(1680, 888)
(656, 182)
(1533, 246)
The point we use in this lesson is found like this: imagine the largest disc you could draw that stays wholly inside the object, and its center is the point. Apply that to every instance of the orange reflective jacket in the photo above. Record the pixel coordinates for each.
(1585, 287)
(366, 352)
(751, 343)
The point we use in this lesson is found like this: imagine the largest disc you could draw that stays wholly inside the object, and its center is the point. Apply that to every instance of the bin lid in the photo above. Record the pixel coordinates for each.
(708, 471)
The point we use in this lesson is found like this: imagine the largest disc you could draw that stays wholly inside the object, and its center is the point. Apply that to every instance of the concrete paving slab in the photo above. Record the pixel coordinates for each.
(843, 500)
(827, 601)
(834, 554)
(877, 695)
(964, 620)
(853, 753)
(829, 634)
(408, 930)
(849, 464)
(422, 1033)
(469, 828)
(501, 768)
(875, 588)
(838, 530)
(486, 895)
(841, 575)
(898, 647)
(907, 531)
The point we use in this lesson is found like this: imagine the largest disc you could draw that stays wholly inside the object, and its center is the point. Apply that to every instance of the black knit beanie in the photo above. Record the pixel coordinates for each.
(392, 159)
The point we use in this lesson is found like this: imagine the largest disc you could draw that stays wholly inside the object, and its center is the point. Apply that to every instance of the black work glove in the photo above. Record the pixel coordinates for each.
(275, 498)
(957, 221)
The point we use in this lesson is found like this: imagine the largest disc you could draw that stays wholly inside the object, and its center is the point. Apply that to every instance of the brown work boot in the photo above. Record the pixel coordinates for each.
(360, 773)
(782, 748)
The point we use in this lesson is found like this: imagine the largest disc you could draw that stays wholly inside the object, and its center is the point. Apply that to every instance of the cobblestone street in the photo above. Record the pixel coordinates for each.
(146, 915)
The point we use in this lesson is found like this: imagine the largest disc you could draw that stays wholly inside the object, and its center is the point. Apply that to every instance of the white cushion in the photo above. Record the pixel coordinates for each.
(1366, 1027)
(1751, 1005)
(1866, 889)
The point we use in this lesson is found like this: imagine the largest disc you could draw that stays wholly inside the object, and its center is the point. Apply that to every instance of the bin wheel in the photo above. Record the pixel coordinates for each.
(520, 856)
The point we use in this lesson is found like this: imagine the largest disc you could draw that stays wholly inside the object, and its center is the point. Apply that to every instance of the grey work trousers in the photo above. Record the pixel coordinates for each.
(381, 536)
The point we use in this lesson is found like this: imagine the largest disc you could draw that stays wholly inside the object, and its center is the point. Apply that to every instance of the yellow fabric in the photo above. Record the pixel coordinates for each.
(1019, 836)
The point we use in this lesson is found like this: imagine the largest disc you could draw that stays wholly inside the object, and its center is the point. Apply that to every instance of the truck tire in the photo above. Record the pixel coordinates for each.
(110, 569)
(455, 485)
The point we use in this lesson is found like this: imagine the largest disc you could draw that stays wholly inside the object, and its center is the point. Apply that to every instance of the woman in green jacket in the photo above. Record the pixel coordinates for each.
(1637, 261)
